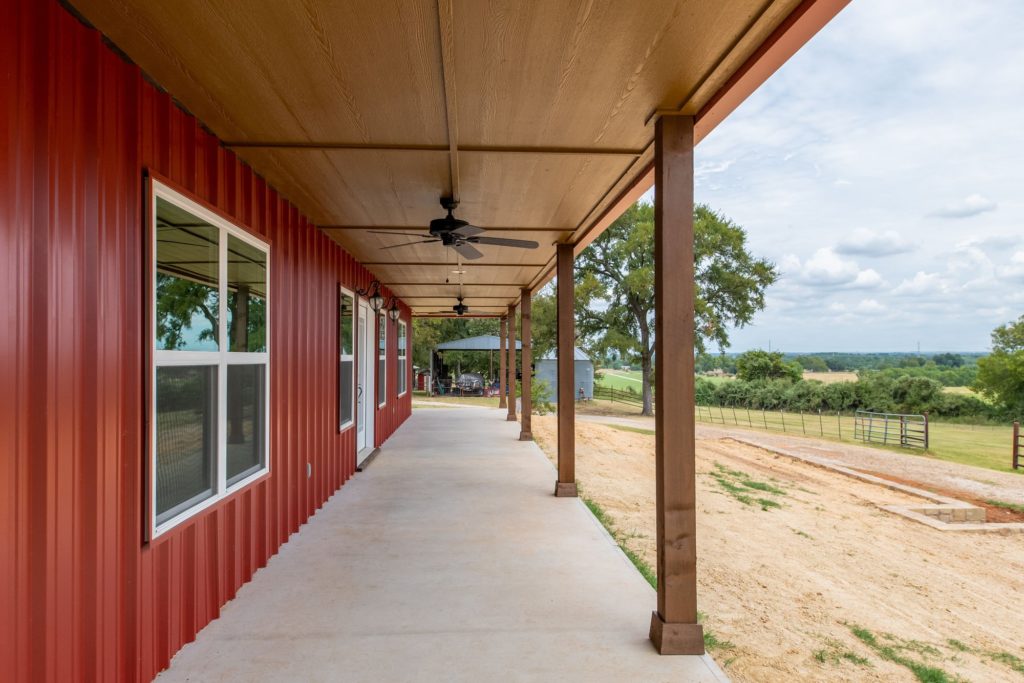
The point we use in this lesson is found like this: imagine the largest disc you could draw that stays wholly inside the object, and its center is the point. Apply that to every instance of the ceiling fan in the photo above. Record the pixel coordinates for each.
(460, 308)
(457, 234)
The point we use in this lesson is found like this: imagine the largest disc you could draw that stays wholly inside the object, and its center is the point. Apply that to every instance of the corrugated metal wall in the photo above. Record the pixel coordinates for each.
(81, 597)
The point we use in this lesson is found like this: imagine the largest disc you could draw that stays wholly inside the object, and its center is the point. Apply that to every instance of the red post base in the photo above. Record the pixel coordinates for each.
(676, 639)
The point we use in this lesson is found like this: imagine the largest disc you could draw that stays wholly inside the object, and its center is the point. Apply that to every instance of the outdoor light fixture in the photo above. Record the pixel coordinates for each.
(376, 299)
(393, 312)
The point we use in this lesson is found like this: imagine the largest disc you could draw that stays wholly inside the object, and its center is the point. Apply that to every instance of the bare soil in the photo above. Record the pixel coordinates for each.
(785, 586)
(993, 513)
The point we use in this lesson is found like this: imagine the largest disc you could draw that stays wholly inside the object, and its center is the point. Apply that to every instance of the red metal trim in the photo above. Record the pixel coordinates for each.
(152, 175)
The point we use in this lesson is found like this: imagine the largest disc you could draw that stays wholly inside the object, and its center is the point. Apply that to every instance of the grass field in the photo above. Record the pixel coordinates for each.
(619, 379)
(985, 446)
(831, 377)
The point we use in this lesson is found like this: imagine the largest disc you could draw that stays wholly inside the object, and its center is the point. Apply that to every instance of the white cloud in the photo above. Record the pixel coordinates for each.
(994, 241)
(867, 242)
(1014, 270)
(971, 205)
(827, 269)
(708, 168)
(871, 306)
(867, 279)
(922, 284)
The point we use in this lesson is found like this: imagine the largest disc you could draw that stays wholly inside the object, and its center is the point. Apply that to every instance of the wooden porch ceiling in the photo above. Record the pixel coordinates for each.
(537, 115)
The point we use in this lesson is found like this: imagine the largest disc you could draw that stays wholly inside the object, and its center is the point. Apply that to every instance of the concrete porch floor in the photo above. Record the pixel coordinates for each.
(448, 559)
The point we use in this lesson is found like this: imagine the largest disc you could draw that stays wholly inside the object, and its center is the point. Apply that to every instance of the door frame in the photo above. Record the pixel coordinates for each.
(366, 366)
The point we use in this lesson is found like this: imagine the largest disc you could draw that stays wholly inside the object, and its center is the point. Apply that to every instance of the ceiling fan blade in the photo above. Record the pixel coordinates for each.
(468, 230)
(467, 251)
(400, 234)
(406, 244)
(506, 242)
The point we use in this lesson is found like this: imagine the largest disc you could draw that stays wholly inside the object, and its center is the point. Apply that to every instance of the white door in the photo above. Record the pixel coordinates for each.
(365, 384)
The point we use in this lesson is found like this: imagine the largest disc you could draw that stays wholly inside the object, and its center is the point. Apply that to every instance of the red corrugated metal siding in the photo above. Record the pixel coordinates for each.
(81, 597)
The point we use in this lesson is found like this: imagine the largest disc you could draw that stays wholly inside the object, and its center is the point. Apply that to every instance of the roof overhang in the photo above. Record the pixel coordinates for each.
(539, 117)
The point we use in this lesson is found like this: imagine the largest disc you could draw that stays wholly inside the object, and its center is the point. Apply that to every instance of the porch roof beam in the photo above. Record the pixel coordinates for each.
(446, 25)
(298, 145)
(423, 227)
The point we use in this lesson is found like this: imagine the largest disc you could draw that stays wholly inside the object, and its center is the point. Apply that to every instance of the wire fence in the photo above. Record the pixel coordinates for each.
(617, 395)
(821, 423)
(910, 431)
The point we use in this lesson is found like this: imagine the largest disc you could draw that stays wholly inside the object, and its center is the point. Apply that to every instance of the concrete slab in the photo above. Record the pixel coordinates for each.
(447, 560)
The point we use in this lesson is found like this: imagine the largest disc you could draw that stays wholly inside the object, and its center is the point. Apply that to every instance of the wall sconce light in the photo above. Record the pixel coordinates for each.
(373, 295)
(394, 313)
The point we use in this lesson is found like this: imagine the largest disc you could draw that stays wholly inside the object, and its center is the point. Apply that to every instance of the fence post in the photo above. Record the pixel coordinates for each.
(926, 430)
(1016, 445)
(734, 419)
(885, 431)
(839, 425)
(750, 423)
(783, 416)
(722, 413)
(764, 416)
(802, 425)
(903, 430)
(821, 424)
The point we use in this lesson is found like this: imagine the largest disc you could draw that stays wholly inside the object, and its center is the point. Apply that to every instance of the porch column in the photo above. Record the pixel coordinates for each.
(566, 484)
(674, 627)
(501, 366)
(511, 363)
(526, 434)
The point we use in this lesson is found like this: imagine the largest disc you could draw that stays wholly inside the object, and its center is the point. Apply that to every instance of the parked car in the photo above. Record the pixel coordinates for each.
(471, 383)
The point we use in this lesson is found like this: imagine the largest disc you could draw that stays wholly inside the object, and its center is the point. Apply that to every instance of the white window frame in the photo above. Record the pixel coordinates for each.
(401, 357)
(222, 358)
(382, 368)
(342, 426)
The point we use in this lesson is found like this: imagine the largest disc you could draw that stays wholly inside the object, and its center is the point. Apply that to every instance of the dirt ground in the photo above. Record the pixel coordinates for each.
(793, 559)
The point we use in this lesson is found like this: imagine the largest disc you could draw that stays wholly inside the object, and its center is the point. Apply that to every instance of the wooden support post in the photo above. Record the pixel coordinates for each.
(511, 363)
(526, 434)
(674, 627)
(566, 484)
(502, 362)
(1016, 445)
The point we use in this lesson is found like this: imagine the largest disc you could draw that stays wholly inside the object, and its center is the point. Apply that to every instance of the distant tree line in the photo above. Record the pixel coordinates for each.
(849, 362)
(766, 380)
(875, 391)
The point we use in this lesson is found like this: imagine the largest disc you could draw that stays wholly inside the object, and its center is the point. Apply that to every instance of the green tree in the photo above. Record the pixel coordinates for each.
(1001, 374)
(812, 363)
(949, 360)
(763, 365)
(615, 284)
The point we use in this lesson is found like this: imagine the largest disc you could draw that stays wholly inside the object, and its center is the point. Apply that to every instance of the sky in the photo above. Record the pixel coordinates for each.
(882, 170)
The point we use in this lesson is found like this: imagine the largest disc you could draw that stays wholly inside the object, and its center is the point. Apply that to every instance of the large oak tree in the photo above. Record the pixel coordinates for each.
(615, 276)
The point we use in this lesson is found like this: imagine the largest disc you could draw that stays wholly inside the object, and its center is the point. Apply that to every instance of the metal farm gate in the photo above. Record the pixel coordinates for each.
(909, 431)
